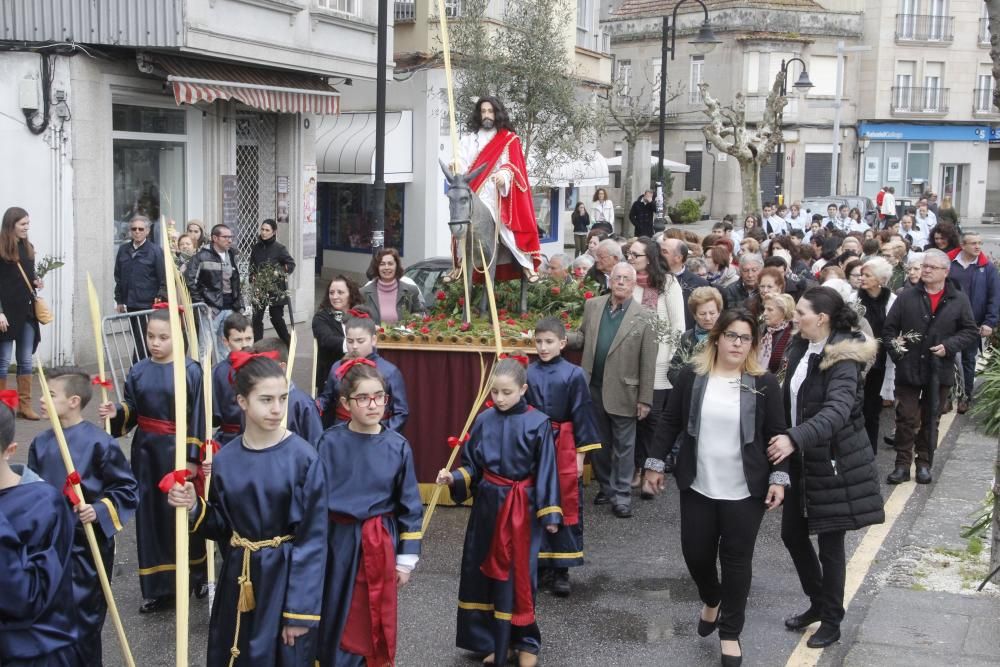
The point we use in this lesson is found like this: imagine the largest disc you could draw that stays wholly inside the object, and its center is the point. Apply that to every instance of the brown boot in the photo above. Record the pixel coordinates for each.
(24, 395)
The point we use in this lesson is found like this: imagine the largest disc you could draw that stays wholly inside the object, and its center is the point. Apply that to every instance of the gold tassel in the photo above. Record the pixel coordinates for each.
(247, 601)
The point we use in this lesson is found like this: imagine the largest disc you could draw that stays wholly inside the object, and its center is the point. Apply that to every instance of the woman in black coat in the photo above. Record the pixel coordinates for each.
(266, 251)
(835, 485)
(342, 294)
(723, 410)
(581, 226)
(18, 325)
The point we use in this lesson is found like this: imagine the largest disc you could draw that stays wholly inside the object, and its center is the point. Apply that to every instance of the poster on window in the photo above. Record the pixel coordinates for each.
(309, 211)
(894, 169)
(871, 169)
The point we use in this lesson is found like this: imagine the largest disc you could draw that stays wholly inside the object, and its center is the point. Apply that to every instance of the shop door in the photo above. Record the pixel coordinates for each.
(895, 167)
(256, 184)
(955, 185)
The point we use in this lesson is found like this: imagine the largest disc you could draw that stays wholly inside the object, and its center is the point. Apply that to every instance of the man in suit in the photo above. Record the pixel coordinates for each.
(675, 253)
(619, 357)
(606, 256)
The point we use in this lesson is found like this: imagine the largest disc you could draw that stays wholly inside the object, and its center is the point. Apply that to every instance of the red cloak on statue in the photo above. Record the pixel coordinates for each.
(517, 210)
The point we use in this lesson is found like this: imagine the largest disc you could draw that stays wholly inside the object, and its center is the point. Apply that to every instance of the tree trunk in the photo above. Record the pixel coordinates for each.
(627, 177)
(750, 182)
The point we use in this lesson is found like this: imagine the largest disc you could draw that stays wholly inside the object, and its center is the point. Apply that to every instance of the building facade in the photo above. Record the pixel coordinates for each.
(176, 109)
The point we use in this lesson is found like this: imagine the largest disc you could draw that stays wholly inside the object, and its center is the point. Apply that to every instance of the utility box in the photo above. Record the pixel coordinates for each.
(27, 94)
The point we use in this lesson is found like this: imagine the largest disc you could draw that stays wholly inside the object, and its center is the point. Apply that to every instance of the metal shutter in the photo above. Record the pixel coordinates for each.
(768, 178)
(692, 179)
(817, 179)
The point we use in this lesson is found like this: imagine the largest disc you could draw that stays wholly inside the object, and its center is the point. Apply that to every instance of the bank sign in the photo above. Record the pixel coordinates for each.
(912, 132)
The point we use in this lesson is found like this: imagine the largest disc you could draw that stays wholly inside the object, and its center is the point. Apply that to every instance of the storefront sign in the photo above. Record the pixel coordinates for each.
(871, 169)
(995, 135)
(309, 211)
(913, 132)
(230, 203)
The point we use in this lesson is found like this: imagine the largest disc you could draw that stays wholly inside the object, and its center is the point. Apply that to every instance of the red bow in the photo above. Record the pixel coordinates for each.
(238, 358)
(163, 305)
(72, 479)
(519, 358)
(489, 403)
(215, 448)
(9, 397)
(454, 442)
(351, 363)
(360, 314)
(171, 478)
(98, 382)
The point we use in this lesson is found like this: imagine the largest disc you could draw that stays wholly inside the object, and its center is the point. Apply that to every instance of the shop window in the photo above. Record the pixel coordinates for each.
(346, 216)
(546, 213)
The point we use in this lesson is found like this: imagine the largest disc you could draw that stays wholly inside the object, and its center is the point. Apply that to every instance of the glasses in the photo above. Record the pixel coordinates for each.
(634, 255)
(733, 337)
(137, 229)
(621, 279)
(224, 237)
(379, 399)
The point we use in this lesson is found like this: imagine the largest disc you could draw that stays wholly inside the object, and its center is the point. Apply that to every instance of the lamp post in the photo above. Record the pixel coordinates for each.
(703, 43)
(803, 84)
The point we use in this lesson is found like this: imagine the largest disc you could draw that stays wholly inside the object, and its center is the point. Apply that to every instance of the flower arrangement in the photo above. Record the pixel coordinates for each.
(47, 264)
(268, 287)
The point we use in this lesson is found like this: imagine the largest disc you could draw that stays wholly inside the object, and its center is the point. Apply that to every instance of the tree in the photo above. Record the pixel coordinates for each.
(993, 11)
(524, 62)
(752, 147)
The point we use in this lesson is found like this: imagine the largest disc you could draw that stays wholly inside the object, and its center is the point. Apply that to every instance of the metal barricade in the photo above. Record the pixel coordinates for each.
(124, 340)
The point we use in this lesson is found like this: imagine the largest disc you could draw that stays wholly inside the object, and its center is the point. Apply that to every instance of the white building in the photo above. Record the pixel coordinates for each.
(180, 109)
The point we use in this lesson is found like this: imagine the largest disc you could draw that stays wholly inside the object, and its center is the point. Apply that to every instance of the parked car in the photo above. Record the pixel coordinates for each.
(426, 275)
(864, 204)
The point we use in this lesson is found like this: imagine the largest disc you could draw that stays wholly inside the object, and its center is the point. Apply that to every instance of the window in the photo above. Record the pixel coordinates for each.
(906, 23)
(938, 10)
(984, 94)
(933, 74)
(773, 67)
(623, 79)
(148, 161)
(349, 7)
(918, 162)
(697, 65)
(823, 74)
(984, 26)
(903, 91)
(693, 154)
(546, 213)
(585, 14)
(345, 214)
(751, 64)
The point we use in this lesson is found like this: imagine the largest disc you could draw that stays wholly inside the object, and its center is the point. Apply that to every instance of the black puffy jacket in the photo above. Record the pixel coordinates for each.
(271, 252)
(204, 279)
(833, 464)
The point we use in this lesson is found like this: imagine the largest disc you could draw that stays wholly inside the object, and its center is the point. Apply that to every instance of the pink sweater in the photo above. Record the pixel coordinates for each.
(387, 300)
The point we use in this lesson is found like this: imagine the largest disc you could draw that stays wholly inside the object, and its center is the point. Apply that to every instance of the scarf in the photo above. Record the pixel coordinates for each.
(649, 295)
(767, 343)
(699, 334)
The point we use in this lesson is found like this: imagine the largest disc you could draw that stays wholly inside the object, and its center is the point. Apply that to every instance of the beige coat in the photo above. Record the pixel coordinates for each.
(630, 366)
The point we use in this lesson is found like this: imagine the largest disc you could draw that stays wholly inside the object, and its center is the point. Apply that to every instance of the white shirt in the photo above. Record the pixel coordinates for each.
(603, 211)
(800, 221)
(888, 204)
(799, 376)
(720, 472)
(778, 225)
(927, 223)
(858, 226)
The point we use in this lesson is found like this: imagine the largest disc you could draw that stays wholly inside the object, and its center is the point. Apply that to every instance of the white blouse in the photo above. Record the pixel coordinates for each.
(720, 472)
(603, 211)
(799, 376)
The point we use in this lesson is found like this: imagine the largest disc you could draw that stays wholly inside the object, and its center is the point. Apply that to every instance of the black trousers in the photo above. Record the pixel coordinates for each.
(723, 531)
(645, 428)
(277, 314)
(138, 326)
(871, 406)
(821, 576)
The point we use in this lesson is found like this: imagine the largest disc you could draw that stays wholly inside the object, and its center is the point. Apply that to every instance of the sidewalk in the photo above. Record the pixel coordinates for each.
(926, 612)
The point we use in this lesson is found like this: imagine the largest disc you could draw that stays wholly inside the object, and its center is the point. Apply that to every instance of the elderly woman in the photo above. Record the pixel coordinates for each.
(776, 329)
(721, 272)
(389, 298)
(914, 265)
(580, 266)
(697, 266)
(876, 299)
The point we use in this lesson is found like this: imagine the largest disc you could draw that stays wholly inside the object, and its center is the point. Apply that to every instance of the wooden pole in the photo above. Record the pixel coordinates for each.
(88, 528)
(315, 362)
(450, 87)
(182, 591)
(289, 365)
(95, 320)
(206, 390)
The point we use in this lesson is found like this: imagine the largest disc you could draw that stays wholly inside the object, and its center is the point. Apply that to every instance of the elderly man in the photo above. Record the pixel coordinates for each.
(675, 253)
(619, 356)
(607, 255)
(928, 324)
(736, 294)
(557, 268)
(975, 274)
(140, 278)
(212, 277)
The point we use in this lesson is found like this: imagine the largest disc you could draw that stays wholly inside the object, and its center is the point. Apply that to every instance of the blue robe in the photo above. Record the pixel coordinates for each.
(516, 444)
(263, 494)
(303, 416)
(149, 392)
(107, 483)
(559, 388)
(38, 616)
(366, 476)
(329, 398)
(225, 410)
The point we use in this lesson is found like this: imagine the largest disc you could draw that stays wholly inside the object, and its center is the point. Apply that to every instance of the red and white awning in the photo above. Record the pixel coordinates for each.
(268, 90)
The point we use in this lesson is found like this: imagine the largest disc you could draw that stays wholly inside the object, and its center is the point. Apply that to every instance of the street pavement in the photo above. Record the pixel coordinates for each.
(634, 604)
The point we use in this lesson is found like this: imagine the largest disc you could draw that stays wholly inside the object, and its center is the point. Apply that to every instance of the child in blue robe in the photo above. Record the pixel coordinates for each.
(509, 467)
(559, 389)
(226, 414)
(376, 520)
(360, 335)
(266, 508)
(110, 495)
(149, 405)
(303, 415)
(38, 615)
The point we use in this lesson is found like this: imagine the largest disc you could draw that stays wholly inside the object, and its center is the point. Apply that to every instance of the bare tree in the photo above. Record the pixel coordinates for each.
(751, 146)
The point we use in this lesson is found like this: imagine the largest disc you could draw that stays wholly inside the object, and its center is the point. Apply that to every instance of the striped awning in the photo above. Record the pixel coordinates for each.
(268, 90)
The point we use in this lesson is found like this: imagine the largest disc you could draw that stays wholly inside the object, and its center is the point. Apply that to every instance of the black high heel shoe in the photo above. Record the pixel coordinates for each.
(705, 628)
(731, 660)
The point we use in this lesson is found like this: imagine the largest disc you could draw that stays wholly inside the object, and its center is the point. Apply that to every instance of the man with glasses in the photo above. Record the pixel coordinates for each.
(140, 279)
(929, 323)
(213, 278)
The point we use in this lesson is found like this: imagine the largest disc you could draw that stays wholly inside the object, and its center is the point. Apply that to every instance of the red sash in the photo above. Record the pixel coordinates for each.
(231, 428)
(157, 426)
(370, 628)
(569, 481)
(512, 545)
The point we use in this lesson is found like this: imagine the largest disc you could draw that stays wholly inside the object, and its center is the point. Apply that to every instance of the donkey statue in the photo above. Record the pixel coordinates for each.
(473, 227)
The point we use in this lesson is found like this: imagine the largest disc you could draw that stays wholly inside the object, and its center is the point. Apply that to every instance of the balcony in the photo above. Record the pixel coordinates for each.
(984, 32)
(593, 41)
(404, 11)
(755, 106)
(925, 28)
(912, 100)
(982, 102)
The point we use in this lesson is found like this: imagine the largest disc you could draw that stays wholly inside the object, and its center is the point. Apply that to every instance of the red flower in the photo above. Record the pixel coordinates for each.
(502, 312)
(465, 326)
(427, 318)
(588, 295)
(510, 320)
(424, 330)
(451, 323)
(567, 325)
(525, 316)
(381, 329)
(441, 296)
(555, 291)
(461, 300)
(440, 316)
(564, 314)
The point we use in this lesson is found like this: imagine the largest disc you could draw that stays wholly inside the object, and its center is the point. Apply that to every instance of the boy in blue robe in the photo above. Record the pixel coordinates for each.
(226, 414)
(110, 495)
(560, 389)
(360, 334)
(303, 415)
(509, 466)
(149, 405)
(38, 616)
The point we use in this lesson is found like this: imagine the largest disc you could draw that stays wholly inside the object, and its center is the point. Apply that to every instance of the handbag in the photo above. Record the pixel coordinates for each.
(42, 312)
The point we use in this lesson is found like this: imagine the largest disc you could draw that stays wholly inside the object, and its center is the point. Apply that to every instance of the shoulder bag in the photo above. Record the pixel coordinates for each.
(42, 312)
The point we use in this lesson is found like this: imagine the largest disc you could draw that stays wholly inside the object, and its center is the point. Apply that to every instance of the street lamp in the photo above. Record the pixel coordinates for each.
(703, 43)
(802, 85)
